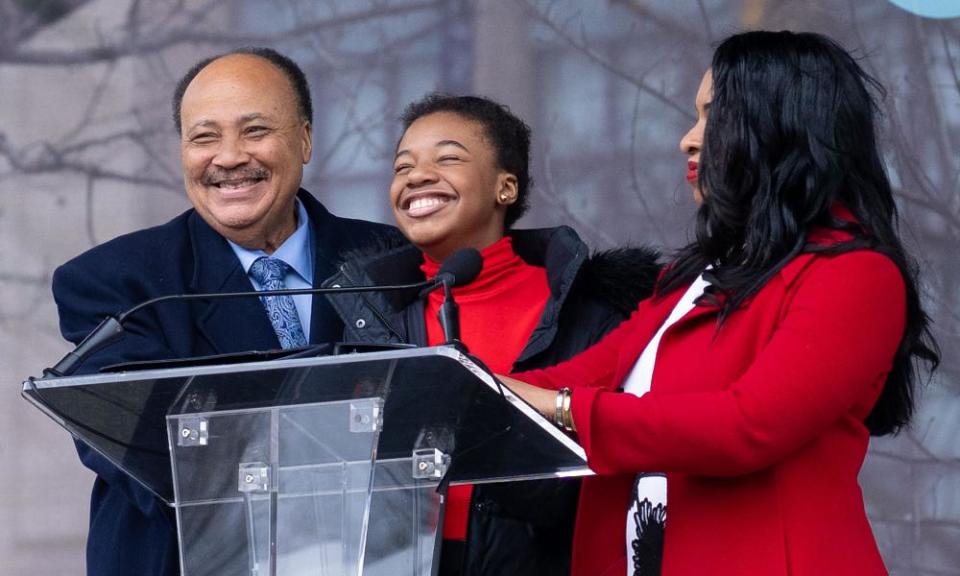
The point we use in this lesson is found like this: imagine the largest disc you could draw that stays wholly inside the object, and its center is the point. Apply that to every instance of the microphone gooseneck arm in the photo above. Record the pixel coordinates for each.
(105, 332)
(112, 326)
(449, 316)
(460, 268)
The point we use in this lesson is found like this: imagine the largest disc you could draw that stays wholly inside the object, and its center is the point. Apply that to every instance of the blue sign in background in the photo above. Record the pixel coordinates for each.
(930, 8)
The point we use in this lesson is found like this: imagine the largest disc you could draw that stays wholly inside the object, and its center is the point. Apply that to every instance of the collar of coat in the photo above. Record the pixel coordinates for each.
(620, 277)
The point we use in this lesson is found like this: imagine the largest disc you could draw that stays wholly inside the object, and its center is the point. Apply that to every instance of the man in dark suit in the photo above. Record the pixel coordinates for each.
(245, 125)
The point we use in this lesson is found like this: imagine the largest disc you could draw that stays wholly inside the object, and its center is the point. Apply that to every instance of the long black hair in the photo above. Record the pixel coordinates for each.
(790, 136)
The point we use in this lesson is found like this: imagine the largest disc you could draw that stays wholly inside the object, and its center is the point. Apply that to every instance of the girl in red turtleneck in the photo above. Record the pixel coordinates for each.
(449, 192)
(460, 180)
(498, 313)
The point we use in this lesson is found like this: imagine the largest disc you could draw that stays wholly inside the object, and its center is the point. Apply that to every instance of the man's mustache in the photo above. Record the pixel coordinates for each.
(216, 176)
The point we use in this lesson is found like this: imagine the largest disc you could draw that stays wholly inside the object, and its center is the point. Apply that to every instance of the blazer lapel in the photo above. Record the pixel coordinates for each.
(328, 242)
(232, 324)
(650, 316)
(651, 319)
(698, 312)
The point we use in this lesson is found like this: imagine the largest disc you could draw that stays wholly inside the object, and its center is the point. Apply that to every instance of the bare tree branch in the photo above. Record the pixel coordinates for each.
(89, 206)
(53, 161)
(550, 192)
(635, 185)
(641, 10)
(582, 45)
(139, 46)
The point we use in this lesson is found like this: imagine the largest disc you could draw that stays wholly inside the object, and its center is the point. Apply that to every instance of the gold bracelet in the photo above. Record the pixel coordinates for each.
(566, 415)
(558, 407)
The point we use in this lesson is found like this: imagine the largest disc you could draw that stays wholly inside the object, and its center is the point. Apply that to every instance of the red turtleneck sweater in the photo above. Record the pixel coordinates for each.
(498, 313)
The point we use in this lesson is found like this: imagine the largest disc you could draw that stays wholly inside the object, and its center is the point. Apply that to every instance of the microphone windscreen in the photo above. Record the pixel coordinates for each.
(464, 266)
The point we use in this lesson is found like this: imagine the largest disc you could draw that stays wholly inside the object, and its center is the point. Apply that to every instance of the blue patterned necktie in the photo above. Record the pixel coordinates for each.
(269, 272)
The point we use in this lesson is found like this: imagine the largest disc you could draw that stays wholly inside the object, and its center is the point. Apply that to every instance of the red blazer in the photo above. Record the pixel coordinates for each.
(759, 427)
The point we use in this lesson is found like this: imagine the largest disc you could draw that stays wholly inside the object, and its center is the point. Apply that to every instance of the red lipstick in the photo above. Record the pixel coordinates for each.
(691, 171)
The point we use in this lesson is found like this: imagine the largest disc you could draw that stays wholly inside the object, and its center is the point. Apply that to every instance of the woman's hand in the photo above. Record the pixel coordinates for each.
(544, 401)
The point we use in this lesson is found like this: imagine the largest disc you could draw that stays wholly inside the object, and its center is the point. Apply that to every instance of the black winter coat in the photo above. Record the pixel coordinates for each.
(521, 528)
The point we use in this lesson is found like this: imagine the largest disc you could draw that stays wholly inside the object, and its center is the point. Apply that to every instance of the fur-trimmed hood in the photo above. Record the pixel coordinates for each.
(621, 277)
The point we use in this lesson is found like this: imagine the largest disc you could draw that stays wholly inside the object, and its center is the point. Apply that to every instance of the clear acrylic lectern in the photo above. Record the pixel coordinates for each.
(317, 466)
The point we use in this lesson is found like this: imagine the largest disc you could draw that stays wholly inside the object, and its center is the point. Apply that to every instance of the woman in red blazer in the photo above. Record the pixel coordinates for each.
(775, 345)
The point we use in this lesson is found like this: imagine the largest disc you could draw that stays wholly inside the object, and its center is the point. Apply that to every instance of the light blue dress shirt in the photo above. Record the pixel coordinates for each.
(297, 252)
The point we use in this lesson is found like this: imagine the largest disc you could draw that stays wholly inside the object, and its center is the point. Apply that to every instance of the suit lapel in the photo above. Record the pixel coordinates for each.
(328, 242)
(229, 325)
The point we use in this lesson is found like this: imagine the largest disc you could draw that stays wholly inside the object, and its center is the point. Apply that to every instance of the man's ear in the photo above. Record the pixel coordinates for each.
(306, 141)
(507, 190)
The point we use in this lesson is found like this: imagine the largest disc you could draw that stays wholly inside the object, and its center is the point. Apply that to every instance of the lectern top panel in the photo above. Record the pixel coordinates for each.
(433, 398)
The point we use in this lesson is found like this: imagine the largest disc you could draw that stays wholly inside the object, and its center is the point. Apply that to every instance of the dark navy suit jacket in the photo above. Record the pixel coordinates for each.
(131, 531)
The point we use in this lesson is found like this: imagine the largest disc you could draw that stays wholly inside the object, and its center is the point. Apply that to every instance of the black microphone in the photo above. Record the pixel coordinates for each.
(112, 326)
(460, 268)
